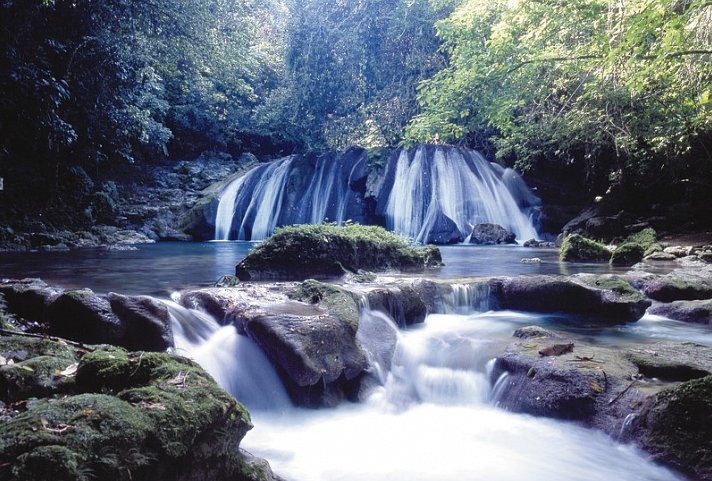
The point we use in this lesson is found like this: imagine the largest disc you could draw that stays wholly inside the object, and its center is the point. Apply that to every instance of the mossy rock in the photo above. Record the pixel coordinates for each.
(577, 248)
(646, 238)
(676, 427)
(334, 299)
(126, 416)
(627, 254)
(33, 368)
(330, 251)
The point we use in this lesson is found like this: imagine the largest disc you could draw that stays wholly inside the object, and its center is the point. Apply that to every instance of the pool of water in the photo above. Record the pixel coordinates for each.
(161, 268)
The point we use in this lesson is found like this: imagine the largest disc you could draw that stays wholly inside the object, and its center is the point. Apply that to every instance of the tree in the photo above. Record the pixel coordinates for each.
(619, 88)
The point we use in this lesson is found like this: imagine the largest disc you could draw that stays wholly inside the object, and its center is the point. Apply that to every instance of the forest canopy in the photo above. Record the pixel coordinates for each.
(617, 90)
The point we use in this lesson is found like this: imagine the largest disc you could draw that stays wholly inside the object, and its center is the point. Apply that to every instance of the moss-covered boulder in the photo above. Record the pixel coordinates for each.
(672, 287)
(635, 247)
(675, 426)
(577, 248)
(116, 415)
(330, 251)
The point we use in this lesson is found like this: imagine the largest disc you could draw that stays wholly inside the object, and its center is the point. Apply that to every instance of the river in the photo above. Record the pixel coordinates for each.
(432, 417)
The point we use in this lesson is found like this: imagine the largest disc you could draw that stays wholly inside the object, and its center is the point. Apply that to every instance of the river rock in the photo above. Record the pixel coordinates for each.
(119, 415)
(576, 248)
(603, 299)
(27, 298)
(489, 234)
(696, 312)
(444, 231)
(315, 352)
(403, 303)
(676, 287)
(329, 251)
(146, 320)
(81, 315)
(675, 426)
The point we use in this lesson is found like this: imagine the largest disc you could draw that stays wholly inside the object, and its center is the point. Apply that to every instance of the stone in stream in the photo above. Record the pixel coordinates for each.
(81, 315)
(490, 234)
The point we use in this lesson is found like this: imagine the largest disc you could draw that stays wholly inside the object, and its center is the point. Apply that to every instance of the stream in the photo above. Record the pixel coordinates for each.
(432, 414)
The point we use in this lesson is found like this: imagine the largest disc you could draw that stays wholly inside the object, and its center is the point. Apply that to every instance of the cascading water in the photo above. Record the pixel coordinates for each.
(459, 184)
(428, 415)
(419, 193)
(433, 420)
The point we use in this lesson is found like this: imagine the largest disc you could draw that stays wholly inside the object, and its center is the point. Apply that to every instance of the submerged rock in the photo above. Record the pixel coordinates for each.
(329, 251)
(490, 234)
(121, 416)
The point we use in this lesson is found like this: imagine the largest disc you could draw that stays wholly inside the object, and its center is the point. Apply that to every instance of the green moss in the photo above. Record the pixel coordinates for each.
(627, 254)
(646, 238)
(142, 416)
(304, 251)
(335, 299)
(680, 423)
(35, 369)
(577, 248)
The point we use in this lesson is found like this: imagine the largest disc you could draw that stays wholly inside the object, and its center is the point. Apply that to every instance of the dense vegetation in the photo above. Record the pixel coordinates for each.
(619, 92)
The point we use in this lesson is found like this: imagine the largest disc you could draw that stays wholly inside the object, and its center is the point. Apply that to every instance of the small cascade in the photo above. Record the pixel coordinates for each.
(233, 360)
(465, 299)
(430, 194)
(431, 189)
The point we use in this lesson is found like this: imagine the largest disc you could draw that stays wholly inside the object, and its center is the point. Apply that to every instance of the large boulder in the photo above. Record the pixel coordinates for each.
(81, 315)
(329, 251)
(316, 352)
(603, 299)
(443, 231)
(490, 234)
(402, 303)
(696, 312)
(673, 287)
(27, 298)
(146, 320)
(675, 426)
(120, 415)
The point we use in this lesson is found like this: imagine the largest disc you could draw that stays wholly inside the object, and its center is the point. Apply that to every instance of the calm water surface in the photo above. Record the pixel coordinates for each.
(161, 268)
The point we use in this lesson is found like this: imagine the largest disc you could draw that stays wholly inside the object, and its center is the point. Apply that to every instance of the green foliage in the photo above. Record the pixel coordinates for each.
(622, 91)
(353, 69)
(577, 248)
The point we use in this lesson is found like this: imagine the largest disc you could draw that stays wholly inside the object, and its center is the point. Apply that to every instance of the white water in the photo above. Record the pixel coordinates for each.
(429, 419)
(429, 184)
(462, 185)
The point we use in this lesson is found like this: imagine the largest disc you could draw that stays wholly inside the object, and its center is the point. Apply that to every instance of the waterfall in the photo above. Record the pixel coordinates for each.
(460, 185)
(225, 354)
(430, 194)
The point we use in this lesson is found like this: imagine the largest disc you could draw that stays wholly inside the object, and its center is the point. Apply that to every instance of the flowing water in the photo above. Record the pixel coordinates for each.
(430, 414)
(430, 418)
(426, 190)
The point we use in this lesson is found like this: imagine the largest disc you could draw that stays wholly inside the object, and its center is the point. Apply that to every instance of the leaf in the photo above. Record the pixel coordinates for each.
(70, 370)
